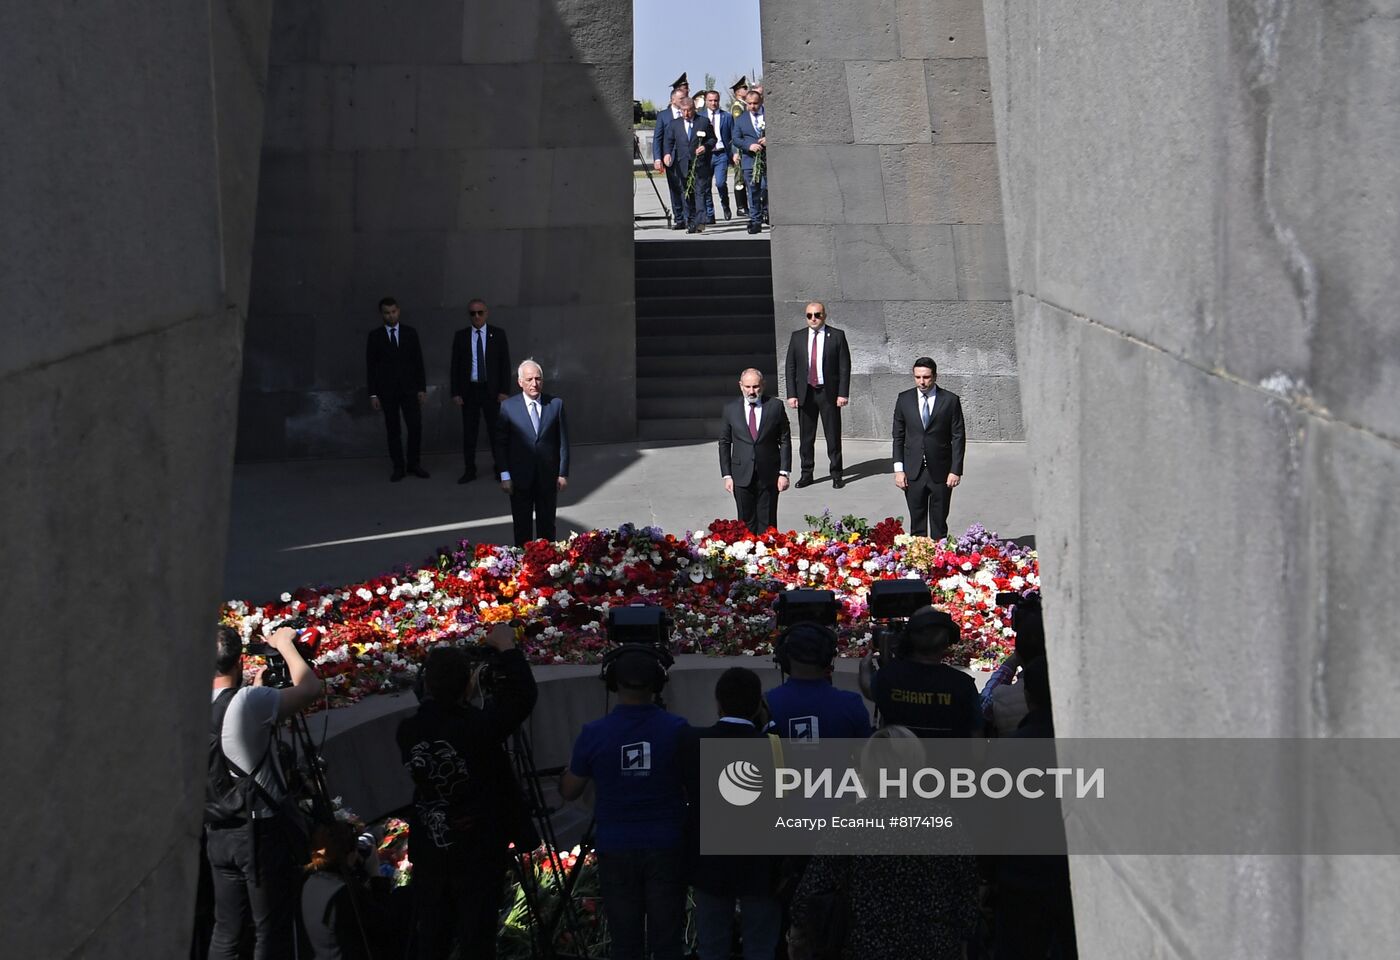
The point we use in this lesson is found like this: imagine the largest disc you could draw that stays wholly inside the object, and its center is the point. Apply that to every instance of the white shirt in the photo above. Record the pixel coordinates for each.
(393, 333)
(747, 723)
(714, 125)
(932, 399)
(478, 374)
(820, 334)
(248, 725)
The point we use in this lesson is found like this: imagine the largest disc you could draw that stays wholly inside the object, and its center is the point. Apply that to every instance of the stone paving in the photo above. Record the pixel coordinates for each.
(334, 521)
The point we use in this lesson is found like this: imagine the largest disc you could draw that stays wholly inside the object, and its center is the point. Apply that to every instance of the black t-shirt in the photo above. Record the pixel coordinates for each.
(932, 699)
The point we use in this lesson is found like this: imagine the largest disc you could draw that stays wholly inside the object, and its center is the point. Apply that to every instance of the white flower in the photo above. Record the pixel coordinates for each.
(286, 598)
(381, 591)
(803, 564)
(364, 594)
(697, 575)
(1017, 582)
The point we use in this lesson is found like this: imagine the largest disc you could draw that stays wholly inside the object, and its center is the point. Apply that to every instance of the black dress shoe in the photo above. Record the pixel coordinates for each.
(678, 226)
(396, 476)
(837, 483)
(804, 481)
(419, 472)
(467, 477)
(754, 228)
(692, 229)
(727, 214)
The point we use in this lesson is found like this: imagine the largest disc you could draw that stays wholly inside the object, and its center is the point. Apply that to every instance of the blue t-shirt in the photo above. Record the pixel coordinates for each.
(633, 757)
(814, 710)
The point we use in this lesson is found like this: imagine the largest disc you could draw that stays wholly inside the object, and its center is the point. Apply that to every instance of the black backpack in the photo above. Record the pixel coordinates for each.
(228, 791)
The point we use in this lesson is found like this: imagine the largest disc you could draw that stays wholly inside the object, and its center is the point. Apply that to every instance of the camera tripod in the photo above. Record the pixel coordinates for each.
(564, 881)
(646, 168)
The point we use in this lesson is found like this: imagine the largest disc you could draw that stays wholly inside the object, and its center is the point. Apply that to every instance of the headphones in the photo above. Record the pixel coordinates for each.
(658, 660)
(813, 643)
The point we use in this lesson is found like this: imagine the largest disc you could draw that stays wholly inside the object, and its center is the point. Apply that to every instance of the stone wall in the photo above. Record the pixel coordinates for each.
(885, 199)
(469, 149)
(125, 216)
(1203, 217)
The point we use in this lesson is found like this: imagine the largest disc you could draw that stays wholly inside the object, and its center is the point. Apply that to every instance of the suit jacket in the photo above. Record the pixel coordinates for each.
(392, 371)
(725, 131)
(745, 136)
(658, 134)
(941, 446)
(682, 148)
(743, 458)
(519, 451)
(835, 361)
(497, 360)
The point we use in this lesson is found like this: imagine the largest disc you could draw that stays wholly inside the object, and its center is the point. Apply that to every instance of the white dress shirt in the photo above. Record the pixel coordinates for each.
(714, 125)
(819, 334)
(478, 374)
(932, 399)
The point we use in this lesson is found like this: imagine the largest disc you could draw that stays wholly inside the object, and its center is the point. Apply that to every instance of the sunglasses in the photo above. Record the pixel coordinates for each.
(478, 313)
(814, 316)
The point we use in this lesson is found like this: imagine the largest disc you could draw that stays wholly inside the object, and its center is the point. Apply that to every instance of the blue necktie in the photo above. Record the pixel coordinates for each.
(480, 357)
(535, 416)
(924, 410)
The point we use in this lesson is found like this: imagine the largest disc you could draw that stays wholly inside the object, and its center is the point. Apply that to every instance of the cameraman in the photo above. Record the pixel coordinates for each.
(916, 689)
(467, 805)
(247, 839)
(807, 706)
(634, 755)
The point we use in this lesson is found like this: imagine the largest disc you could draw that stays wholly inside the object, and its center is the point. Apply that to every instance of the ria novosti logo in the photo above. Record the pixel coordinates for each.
(740, 783)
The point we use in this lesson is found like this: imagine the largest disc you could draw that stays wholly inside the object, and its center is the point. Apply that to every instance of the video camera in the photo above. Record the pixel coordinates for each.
(277, 674)
(892, 603)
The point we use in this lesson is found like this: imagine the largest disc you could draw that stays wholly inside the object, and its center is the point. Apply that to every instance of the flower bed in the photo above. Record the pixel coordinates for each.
(719, 585)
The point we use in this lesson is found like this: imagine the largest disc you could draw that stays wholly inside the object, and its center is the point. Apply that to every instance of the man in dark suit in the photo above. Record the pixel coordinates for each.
(755, 452)
(751, 139)
(532, 455)
(397, 385)
(689, 141)
(929, 444)
(680, 93)
(480, 379)
(723, 125)
(818, 385)
(721, 882)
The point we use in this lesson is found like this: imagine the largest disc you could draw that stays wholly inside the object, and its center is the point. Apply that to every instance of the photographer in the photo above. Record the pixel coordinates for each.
(247, 838)
(343, 909)
(634, 756)
(467, 806)
(915, 689)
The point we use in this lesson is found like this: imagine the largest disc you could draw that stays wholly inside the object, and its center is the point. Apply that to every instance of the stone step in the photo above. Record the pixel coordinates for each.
(682, 249)
(709, 386)
(719, 325)
(728, 365)
(667, 345)
(729, 285)
(679, 306)
(705, 267)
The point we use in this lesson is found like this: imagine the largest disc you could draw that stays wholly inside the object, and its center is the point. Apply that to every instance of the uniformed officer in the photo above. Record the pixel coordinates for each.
(916, 689)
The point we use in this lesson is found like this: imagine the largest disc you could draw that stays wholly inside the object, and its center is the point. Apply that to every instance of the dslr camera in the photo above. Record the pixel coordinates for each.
(892, 603)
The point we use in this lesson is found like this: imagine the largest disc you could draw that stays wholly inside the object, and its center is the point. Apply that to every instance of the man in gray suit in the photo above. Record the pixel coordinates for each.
(755, 452)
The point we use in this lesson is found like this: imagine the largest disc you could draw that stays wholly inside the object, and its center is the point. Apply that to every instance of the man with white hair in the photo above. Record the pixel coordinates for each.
(531, 445)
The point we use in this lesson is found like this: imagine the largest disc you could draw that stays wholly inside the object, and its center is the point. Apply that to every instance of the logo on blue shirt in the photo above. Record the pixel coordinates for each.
(636, 756)
(804, 728)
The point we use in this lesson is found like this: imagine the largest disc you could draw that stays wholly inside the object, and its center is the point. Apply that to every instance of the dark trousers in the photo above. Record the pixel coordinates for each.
(820, 402)
(459, 897)
(741, 195)
(532, 509)
(408, 408)
(644, 901)
(757, 504)
(675, 183)
(695, 200)
(254, 878)
(478, 403)
(758, 194)
(928, 497)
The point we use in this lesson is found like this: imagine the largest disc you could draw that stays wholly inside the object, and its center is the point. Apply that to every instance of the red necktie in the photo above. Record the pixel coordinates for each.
(753, 421)
(812, 364)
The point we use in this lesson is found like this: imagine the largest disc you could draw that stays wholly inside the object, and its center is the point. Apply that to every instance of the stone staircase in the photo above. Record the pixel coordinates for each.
(704, 313)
